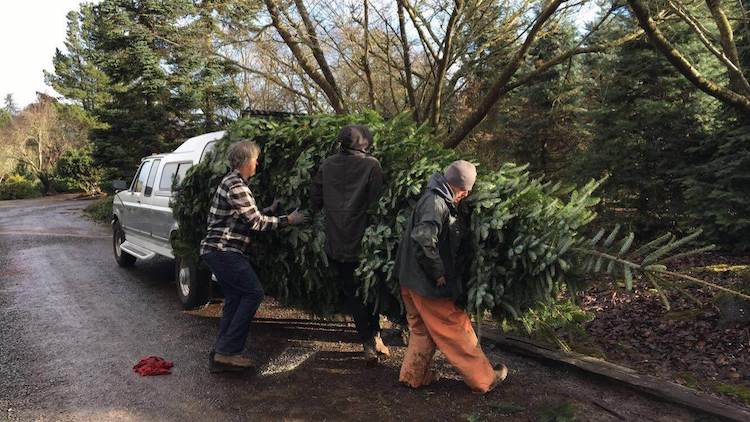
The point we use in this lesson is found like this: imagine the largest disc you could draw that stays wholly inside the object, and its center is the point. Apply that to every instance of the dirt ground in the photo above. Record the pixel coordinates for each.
(690, 343)
(73, 324)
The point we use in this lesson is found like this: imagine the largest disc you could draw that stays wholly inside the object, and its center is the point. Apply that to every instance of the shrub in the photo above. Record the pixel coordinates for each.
(100, 210)
(19, 187)
(75, 172)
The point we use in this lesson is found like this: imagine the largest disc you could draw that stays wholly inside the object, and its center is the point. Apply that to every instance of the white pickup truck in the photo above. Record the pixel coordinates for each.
(142, 221)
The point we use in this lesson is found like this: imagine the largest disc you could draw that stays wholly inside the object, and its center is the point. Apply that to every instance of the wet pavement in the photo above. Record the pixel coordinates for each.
(72, 325)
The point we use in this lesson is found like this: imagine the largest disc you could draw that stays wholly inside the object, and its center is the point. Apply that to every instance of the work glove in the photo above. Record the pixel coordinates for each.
(271, 210)
(297, 217)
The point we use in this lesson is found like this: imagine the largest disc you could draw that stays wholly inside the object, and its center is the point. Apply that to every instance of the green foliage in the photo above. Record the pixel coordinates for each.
(506, 408)
(541, 123)
(559, 324)
(521, 237)
(637, 91)
(144, 70)
(523, 248)
(75, 171)
(717, 188)
(19, 187)
(101, 210)
(558, 412)
(5, 118)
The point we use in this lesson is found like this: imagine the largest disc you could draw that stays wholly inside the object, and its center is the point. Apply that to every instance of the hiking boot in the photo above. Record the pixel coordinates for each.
(216, 368)
(370, 353)
(238, 361)
(380, 347)
(501, 373)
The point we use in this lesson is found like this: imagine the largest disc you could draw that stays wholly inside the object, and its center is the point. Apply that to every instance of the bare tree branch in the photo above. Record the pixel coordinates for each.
(738, 81)
(727, 96)
(314, 45)
(366, 56)
(442, 64)
(407, 61)
(330, 91)
(510, 69)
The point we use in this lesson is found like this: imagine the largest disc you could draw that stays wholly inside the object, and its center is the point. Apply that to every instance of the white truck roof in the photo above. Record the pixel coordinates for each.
(197, 143)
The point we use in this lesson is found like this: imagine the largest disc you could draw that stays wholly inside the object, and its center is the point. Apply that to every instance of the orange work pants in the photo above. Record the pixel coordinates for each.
(439, 322)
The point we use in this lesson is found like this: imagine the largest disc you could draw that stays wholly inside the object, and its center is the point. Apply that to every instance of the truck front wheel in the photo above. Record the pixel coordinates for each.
(123, 258)
(192, 283)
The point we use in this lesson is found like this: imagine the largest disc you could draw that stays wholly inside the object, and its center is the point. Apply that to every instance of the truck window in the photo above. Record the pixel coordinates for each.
(208, 148)
(165, 184)
(140, 178)
(181, 171)
(173, 171)
(152, 177)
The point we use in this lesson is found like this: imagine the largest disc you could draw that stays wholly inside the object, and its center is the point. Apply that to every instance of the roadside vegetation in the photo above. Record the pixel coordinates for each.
(101, 210)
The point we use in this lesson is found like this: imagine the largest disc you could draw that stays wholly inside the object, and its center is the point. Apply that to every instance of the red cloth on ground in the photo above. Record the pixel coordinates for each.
(153, 365)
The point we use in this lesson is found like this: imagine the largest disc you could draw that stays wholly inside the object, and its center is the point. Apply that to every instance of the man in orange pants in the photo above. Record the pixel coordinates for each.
(426, 271)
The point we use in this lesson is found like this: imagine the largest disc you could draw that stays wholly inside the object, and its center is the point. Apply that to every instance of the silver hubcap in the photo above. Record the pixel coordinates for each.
(118, 242)
(184, 280)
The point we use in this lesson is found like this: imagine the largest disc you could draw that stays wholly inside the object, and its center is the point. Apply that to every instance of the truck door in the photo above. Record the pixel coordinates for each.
(131, 200)
(163, 221)
(132, 222)
(148, 207)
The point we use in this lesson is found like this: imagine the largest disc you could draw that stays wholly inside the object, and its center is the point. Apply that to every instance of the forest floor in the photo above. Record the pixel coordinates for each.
(692, 344)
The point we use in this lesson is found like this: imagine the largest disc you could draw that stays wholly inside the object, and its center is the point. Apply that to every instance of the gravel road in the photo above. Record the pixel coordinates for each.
(72, 325)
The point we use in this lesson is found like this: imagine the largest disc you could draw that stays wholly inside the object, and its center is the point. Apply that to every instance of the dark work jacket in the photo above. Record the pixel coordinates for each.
(346, 185)
(429, 245)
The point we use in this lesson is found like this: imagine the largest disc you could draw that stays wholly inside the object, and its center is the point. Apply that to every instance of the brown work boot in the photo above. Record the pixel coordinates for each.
(380, 347)
(238, 361)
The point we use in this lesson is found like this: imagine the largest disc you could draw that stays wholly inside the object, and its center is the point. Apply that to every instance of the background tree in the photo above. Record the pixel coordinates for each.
(41, 133)
(141, 69)
(10, 106)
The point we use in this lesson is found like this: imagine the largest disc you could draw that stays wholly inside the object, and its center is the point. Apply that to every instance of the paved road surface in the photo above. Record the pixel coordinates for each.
(72, 324)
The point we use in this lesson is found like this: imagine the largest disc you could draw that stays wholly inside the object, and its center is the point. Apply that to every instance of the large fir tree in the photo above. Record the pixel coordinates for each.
(644, 116)
(145, 69)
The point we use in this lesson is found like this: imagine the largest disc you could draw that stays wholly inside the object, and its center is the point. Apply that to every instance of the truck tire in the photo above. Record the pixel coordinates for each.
(192, 283)
(123, 258)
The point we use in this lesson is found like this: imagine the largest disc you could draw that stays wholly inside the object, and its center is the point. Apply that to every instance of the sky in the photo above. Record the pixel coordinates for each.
(30, 30)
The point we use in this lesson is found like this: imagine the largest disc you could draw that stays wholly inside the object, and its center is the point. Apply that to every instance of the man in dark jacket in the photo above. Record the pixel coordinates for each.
(346, 185)
(430, 284)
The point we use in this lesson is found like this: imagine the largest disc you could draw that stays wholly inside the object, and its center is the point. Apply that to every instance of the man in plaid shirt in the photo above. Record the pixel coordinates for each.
(233, 215)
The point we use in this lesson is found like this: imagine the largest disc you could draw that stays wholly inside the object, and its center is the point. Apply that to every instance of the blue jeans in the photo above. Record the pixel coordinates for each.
(242, 296)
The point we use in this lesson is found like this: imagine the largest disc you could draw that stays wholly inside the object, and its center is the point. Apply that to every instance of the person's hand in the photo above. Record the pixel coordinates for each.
(441, 281)
(274, 206)
(297, 217)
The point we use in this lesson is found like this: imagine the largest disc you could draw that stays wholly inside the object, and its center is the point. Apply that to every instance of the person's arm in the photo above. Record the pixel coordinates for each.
(425, 233)
(241, 199)
(316, 190)
(375, 185)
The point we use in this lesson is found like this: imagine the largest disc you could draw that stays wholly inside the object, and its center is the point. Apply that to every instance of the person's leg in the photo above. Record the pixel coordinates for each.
(217, 263)
(451, 330)
(231, 302)
(251, 295)
(415, 370)
(363, 319)
(243, 294)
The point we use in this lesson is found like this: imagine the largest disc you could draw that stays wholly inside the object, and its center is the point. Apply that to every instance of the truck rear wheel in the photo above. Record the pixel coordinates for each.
(192, 283)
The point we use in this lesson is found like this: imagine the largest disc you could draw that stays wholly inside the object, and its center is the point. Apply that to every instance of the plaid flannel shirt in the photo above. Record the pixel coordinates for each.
(233, 216)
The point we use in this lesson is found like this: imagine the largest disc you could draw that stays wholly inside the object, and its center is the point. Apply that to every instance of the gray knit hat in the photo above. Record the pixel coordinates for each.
(461, 174)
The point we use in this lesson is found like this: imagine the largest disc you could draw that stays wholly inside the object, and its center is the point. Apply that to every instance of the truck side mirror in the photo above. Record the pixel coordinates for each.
(119, 185)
